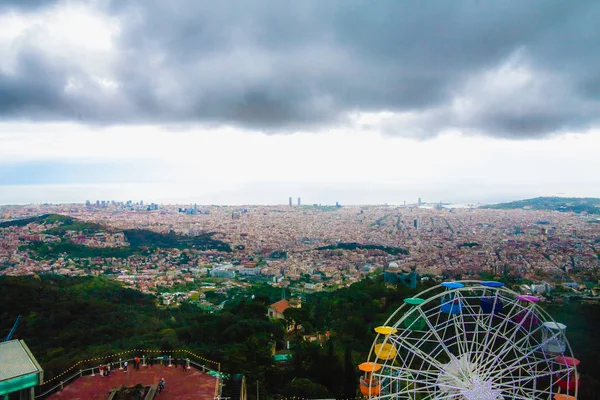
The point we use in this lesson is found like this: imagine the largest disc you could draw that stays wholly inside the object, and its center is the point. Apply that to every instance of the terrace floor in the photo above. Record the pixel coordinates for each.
(179, 384)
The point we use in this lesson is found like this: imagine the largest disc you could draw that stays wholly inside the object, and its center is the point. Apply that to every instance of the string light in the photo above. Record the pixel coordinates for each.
(87, 360)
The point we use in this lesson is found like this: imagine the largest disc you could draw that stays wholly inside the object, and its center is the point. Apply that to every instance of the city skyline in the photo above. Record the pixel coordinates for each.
(244, 105)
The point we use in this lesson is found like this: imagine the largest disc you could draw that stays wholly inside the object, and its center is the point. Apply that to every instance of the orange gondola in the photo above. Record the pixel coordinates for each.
(369, 386)
(560, 396)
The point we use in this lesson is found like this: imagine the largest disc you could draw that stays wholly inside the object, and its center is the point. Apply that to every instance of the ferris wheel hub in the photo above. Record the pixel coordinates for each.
(481, 390)
(461, 377)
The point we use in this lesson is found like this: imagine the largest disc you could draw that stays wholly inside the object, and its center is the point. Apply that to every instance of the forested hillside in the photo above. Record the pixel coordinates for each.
(68, 319)
(564, 204)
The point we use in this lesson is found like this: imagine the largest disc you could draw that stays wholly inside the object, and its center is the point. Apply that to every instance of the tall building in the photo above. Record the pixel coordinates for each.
(290, 201)
(420, 201)
(394, 276)
(298, 200)
(416, 223)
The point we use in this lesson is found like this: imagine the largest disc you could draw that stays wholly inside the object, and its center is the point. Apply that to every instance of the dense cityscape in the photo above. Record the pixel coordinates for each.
(305, 248)
(306, 200)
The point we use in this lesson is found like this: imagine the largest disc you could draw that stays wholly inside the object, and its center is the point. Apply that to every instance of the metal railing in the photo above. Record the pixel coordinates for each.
(168, 361)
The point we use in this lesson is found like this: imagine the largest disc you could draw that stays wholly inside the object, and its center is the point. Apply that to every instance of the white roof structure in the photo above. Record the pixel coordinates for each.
(556, 326)
(15, 360)
(18, 367)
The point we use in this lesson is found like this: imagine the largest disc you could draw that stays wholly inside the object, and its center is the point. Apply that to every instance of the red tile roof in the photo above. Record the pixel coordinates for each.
(280, 306)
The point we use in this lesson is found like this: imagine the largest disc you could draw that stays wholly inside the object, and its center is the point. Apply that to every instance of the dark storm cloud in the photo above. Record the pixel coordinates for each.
(25, 5)
(285, 65)
(35, 88)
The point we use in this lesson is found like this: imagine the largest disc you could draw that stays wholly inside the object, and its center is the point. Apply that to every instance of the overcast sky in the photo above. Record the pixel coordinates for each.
(243, 102)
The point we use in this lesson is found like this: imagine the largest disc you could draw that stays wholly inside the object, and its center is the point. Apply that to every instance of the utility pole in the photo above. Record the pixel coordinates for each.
(256, 390)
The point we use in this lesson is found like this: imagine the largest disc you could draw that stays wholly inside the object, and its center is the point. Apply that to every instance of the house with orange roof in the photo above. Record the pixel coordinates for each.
(276, 310)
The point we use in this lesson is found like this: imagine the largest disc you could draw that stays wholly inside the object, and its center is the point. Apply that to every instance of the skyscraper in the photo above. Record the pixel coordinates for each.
(298, 200)
(420, 201)
(290, 201)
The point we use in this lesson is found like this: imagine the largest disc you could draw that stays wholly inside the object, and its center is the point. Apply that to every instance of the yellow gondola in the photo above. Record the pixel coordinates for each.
(386, 330)
(385, 351)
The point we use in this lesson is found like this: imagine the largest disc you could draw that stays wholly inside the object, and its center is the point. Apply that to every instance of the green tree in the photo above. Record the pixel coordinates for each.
(350, 381)
(305, 388)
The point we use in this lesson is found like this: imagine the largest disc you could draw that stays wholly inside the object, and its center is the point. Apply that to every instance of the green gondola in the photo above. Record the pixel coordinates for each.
(413, 321)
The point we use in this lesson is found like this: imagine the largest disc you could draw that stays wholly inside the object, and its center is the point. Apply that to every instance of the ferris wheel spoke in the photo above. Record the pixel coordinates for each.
(514, 363)
(555, 335)
(490, 340)
(544, 374)
(436, 335)
(409, 372)
(530, 393)
(507, 330)
(505, 317)
(417, 385)
(445, 324)
(523, 387)
(411, 356)
(477, 323)
(412, 395)
(504, 372)
(460, 328)
(432, 361)
(509, 345)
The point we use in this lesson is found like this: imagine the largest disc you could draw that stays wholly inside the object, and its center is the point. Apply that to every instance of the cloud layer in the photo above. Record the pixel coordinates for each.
(408, 68)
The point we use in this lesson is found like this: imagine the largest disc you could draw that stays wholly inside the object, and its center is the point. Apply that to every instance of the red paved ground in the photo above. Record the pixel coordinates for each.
(179, 385)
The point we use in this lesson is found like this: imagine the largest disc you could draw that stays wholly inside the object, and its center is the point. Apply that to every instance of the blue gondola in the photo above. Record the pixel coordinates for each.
(492, 284)
(491, 304)
(450, 303)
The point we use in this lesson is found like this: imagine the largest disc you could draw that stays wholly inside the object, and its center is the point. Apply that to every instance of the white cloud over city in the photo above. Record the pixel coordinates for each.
(339, 101)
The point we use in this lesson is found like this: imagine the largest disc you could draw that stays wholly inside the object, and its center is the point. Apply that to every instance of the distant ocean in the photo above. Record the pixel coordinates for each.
(268, 193)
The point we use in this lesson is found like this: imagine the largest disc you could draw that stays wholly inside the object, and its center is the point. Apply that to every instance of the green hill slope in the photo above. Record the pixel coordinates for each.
(139, 239)
(564, 204)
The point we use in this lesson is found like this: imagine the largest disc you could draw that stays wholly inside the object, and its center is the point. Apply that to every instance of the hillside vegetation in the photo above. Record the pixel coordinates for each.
(69, 319)
(354, 246)
(564, 204)
(41, 219)
(139, 239)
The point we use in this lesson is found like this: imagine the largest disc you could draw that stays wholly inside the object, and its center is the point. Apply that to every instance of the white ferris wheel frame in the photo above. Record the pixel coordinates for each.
(471, 354)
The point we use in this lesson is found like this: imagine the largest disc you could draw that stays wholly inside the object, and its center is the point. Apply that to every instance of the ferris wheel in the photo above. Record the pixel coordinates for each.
(470, 340)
